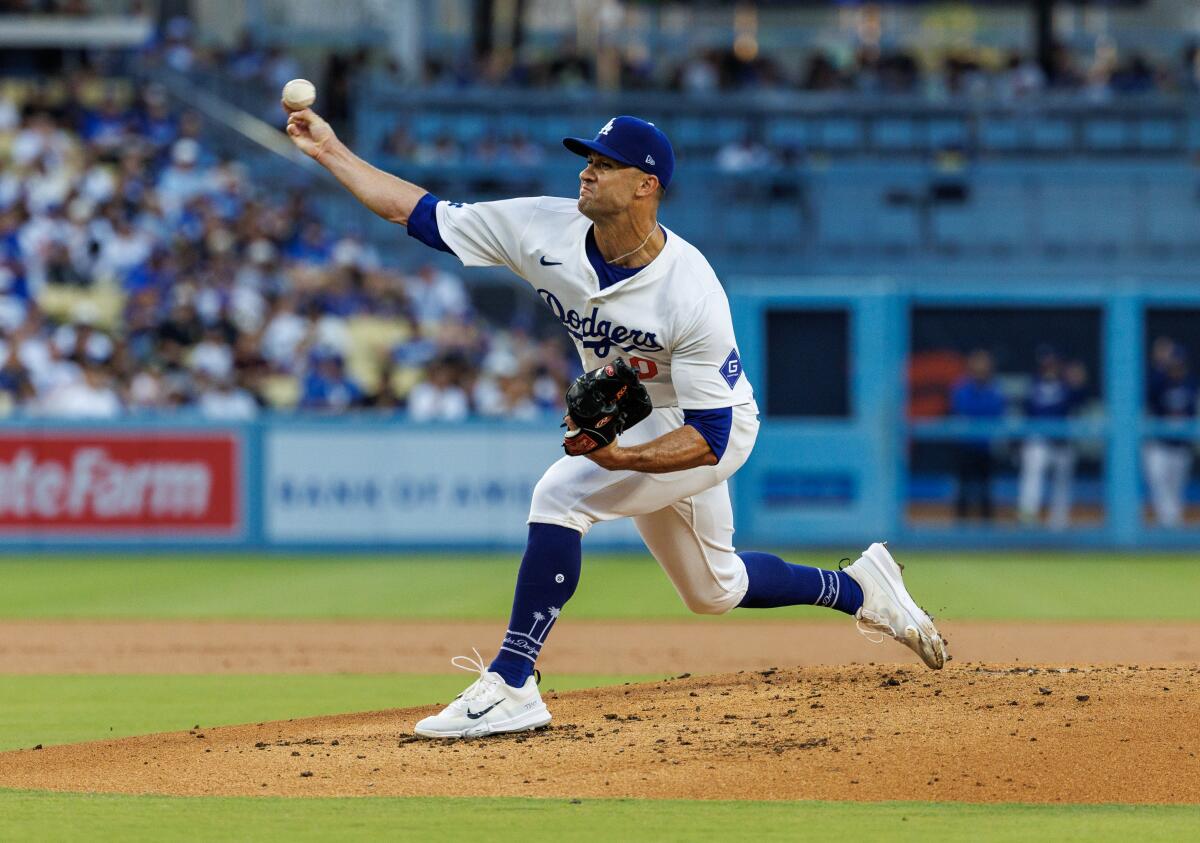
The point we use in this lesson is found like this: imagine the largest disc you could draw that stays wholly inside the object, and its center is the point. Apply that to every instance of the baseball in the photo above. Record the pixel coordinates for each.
(298, 94)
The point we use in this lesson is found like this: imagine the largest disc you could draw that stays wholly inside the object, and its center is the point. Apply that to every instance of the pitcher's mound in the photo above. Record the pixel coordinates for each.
(971, 732)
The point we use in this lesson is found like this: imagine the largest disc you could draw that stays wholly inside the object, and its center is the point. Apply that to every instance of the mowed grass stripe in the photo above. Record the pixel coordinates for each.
(34, 815)
(51, 710)
(1018, 586)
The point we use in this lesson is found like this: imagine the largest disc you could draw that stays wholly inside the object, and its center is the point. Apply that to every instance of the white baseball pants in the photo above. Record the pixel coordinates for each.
(684, 517)
(1167, 468)
(1039, 457)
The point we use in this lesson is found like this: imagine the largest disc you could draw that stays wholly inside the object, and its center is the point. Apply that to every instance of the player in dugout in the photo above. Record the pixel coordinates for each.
(652, 324)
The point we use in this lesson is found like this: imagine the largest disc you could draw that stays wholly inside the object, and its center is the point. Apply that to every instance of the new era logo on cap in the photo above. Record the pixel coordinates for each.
(632, 141)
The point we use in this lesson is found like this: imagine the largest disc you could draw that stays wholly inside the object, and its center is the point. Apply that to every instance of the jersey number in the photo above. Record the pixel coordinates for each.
(646, 369)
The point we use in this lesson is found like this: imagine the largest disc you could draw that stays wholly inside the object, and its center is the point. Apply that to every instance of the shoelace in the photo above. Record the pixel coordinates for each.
(480, 686)
(869, 624)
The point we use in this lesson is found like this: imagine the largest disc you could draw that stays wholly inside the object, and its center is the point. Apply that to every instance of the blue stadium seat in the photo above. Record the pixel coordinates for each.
(785, 225)
(1002, 215)
(705, 133)
(898, 228)
(1110, 214)
(1171, 211)
(1157, 134)
(947, 133)
(956, 227)
(894, 133)
(1105, 135)
(846, 214)
(787, 132)
(840, 133)
(425, 127)
(468, 127)
(1052, 135)
(1081, 212)
(999, 134)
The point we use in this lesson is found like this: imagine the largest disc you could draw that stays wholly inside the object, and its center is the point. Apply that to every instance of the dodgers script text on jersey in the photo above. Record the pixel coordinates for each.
(671, 319)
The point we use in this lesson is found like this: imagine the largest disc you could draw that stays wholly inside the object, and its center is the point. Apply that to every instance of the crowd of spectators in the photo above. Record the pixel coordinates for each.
(140, 273)
(971, 72)
(1098, 72)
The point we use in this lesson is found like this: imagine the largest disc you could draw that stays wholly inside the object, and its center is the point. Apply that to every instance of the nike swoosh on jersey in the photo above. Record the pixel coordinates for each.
(476, 715)
(545, 262)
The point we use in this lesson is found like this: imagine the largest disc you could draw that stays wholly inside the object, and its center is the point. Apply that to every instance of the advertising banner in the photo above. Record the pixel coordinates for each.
(408, 485)
(65, 483)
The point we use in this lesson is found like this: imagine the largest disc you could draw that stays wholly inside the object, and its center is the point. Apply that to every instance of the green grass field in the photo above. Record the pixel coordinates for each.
(58, 709)
(42, 816)
(70, 709)
(981, 586)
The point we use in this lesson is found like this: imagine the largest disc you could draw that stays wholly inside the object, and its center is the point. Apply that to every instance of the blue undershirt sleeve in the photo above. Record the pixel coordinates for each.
(713, 425)
(422, 224)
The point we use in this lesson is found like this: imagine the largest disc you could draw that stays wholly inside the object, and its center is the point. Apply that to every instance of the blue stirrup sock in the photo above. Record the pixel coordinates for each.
(548, 576)
(774, 582)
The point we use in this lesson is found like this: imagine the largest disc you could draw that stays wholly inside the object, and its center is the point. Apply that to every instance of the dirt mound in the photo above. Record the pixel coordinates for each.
(971, 733)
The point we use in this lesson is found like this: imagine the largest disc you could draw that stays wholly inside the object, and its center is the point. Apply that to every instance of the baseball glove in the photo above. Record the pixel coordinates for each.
(603, 404)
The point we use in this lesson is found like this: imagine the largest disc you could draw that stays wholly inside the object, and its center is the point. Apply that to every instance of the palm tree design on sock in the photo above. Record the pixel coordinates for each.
(554, 613)
(538, 617)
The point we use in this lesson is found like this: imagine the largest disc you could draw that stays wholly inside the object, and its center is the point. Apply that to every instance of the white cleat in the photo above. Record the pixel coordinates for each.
(888, 609)
(489, 706)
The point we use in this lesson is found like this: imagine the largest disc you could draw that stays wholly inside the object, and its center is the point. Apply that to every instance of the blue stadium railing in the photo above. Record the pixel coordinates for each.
(835, 124)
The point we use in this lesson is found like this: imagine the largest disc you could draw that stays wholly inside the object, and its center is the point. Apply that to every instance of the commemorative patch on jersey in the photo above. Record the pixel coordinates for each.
(731, 369)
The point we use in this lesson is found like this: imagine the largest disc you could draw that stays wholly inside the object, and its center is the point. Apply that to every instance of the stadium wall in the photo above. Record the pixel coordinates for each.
(834, 463)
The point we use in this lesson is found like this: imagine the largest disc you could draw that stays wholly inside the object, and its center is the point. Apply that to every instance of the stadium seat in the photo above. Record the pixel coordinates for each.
(1156, 134)
(1193, 134)
(787, 132)
(1052, 135)
(786, 226)
(894, 134)
(955, 227)
(999, 134)
(1171, 214)
(845, 215)
(1002, 222)
(898, 228)
(1110, 214)
(1105, 135)
(840, 134)
(945, 134)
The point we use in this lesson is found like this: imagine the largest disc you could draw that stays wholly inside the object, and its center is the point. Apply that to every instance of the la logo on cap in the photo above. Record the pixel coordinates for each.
(607, 127)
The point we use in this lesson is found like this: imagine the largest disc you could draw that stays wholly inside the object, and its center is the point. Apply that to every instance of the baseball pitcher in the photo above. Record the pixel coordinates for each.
(661, 419)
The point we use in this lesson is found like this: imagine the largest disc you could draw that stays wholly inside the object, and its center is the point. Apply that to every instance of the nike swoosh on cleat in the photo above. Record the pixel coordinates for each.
(476, 715)
(545, 262)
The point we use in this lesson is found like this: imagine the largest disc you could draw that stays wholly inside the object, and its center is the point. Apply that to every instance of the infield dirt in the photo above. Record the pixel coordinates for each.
(597, 647)
(972, 732)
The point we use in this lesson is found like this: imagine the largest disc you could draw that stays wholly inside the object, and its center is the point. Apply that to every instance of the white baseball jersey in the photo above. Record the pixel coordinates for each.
(671, 320)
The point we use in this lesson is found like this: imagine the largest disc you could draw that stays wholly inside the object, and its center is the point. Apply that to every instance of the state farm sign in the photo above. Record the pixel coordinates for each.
(151, 480)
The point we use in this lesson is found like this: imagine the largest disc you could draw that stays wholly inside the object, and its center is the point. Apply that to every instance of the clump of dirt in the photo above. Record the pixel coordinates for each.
(979, 733)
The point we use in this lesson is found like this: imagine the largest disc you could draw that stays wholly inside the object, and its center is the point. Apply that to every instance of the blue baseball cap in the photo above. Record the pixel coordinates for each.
(632, 141)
